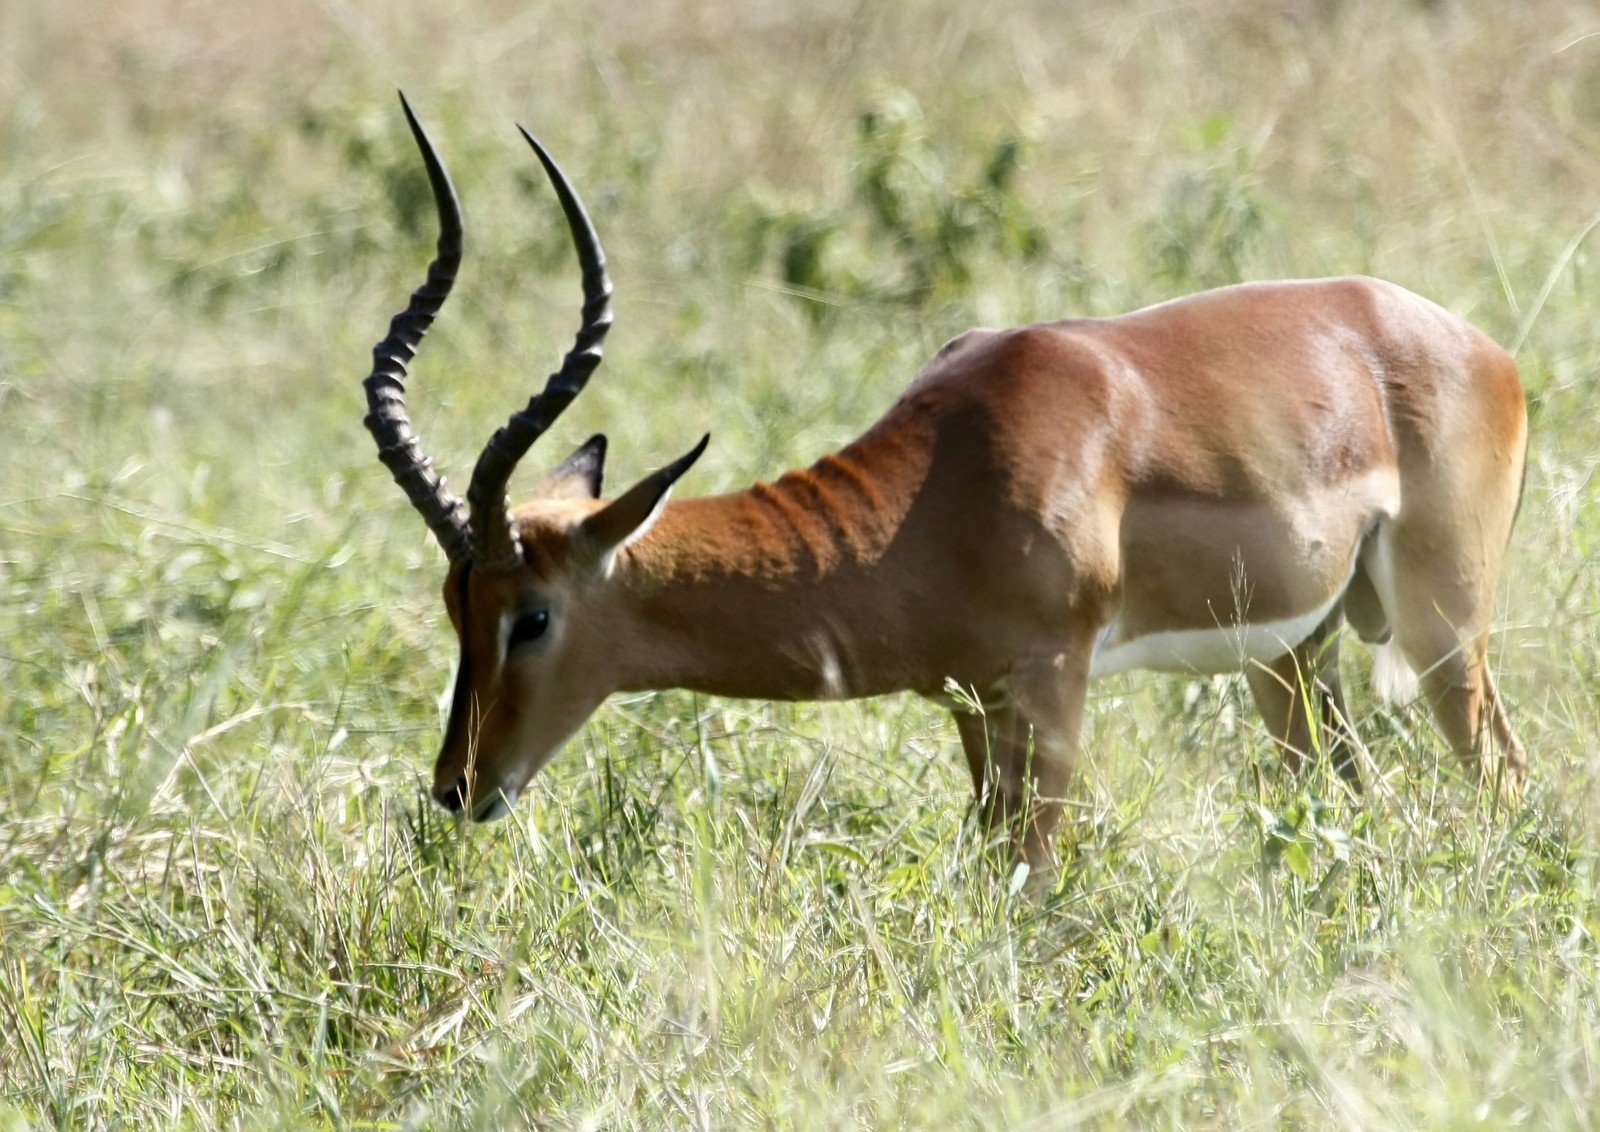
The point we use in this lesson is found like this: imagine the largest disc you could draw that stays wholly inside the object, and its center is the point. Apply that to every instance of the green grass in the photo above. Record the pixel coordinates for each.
(225, 899)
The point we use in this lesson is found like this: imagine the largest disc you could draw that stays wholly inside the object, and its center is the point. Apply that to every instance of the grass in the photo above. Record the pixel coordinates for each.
(225, 900)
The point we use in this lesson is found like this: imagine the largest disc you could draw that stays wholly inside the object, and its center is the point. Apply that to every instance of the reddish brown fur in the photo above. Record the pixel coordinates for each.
(1038, 497)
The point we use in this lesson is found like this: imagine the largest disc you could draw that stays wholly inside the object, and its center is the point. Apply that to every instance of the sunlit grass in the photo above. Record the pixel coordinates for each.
(225, 899)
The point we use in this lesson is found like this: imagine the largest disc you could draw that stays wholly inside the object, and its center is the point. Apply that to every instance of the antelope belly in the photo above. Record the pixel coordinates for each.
(1225, 648)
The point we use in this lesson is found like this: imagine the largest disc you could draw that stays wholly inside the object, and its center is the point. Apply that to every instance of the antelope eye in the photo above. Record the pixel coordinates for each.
(528, 627)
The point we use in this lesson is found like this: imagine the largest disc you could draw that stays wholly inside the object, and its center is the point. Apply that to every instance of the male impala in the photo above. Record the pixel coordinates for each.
(1207, 485)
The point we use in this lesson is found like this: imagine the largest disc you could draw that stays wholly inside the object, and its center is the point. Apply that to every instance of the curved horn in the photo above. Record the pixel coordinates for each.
(398, 447)
(496, 546)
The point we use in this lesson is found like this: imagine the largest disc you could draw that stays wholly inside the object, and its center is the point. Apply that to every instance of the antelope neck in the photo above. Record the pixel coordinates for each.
(765, 593)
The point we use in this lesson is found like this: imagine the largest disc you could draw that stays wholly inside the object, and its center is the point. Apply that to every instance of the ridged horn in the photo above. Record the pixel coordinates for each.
(495, 542)
(398, 447)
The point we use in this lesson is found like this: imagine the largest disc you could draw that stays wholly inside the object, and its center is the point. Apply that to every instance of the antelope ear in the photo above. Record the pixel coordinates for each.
(579, 475)
(632, 513)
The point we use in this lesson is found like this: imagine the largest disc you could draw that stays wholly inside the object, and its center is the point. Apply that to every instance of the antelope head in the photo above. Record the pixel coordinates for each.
(526, 590)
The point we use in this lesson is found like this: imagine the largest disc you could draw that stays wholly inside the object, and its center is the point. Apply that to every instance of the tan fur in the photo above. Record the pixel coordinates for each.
(1040, 493)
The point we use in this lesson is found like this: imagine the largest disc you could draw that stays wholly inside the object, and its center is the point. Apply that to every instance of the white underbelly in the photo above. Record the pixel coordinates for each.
(1301, 539)
(1225, 648)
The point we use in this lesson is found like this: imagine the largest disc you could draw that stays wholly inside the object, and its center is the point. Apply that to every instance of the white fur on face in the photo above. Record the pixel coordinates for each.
(447, 695)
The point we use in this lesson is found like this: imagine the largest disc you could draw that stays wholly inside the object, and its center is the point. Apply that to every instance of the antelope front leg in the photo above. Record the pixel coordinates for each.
(1022, 749)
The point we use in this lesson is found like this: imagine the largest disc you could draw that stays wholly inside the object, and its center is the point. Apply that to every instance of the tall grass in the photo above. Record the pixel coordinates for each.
(225, 899)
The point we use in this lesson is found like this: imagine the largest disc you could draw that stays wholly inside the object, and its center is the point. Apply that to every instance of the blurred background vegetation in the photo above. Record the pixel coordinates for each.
(224, 897)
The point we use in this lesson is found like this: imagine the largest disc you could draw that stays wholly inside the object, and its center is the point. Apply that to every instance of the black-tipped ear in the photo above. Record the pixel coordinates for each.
(579, 476)
(628, 516)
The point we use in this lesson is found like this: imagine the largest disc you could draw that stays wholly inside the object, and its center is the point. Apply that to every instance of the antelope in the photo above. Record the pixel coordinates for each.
(1214, 484)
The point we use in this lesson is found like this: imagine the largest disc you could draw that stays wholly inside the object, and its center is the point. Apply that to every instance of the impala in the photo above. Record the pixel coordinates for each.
(1210, 485)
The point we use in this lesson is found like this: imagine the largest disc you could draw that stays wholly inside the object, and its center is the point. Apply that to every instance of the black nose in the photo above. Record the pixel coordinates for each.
(453, 796)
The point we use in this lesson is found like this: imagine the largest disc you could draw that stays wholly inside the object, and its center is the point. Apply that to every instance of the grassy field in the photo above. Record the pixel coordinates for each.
(225, 899)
